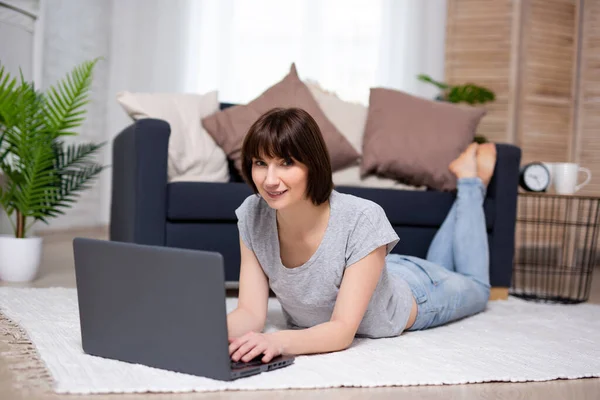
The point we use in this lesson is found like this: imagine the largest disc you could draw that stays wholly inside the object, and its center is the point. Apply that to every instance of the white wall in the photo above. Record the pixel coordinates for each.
(17, 39)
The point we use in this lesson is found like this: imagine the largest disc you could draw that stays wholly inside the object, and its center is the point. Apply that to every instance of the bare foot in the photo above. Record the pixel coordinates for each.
(486, 162)
(465, 166)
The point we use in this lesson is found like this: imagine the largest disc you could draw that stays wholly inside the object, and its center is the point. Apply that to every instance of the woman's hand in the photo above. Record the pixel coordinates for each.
(252, 344)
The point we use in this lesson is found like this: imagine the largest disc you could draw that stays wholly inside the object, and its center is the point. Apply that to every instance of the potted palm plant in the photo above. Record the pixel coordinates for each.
(43, 174)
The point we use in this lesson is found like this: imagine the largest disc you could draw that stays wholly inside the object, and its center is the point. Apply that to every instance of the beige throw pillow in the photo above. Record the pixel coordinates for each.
(414, 140)
(229, 127)
(350, 119)
(351, 177)
(193, 153)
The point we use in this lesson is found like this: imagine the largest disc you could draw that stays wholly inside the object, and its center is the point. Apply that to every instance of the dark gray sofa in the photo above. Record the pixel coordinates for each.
(146, 209)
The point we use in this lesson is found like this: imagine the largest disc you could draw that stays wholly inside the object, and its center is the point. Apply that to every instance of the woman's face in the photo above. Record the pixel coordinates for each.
(281, 183)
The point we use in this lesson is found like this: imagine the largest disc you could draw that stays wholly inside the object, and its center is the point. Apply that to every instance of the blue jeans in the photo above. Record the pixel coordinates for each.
(453, 282)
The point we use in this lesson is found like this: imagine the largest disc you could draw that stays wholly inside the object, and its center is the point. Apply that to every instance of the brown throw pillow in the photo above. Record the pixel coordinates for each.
(414, 140)
(229, 127)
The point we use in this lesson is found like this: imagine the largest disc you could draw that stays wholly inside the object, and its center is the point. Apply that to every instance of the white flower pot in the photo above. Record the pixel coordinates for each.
(19, 258)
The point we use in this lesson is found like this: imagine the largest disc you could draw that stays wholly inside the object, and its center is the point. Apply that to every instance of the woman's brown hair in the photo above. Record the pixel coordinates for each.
(290, 133)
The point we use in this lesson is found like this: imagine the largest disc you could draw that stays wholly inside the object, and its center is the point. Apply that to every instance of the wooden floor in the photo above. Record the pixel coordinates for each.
(57, 270)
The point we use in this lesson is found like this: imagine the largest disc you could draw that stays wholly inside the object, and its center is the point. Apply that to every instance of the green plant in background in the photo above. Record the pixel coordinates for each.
(467, 93)
(43, 175)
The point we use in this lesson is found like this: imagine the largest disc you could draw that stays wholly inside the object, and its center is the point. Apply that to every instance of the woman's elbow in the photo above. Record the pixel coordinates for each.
(344, 342)
(346, 336)
(258, 320)
(347, 343)
(260, 326)
(259, 323)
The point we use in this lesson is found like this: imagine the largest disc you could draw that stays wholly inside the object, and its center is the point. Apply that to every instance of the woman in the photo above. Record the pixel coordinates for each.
(325, 254)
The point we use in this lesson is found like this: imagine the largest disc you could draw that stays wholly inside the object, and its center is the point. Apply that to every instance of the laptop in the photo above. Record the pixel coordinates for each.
(158, 306)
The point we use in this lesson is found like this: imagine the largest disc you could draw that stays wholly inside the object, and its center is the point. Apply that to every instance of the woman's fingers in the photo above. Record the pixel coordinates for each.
(237, 343)
(243, 350)
(258, 349)
(251, 345)
(269, 355)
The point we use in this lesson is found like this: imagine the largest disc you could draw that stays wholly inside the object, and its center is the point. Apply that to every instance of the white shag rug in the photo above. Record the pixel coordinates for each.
(511, 341)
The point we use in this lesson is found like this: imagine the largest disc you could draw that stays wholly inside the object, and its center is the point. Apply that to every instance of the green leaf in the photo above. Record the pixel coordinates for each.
(467, 93)
(72, 182)
(75, 155)
(37, 177)
(7, 95)
(428, 79)
(471, 94)
(67, 99)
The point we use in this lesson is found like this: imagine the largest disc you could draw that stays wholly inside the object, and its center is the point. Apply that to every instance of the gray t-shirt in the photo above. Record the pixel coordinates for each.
(308, 293)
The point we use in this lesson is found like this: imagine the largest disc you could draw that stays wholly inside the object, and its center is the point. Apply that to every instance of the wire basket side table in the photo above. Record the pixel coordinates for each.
(556, 243)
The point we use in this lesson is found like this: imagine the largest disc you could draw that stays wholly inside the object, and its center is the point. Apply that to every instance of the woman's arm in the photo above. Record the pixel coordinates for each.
(251, 312)
(358, 284)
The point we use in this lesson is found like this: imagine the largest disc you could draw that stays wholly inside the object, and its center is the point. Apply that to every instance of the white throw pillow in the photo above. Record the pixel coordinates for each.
(193, 153)
(350, 119)
(351, 177)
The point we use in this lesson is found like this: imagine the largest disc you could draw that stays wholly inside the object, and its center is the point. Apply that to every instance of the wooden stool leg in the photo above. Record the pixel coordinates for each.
(499, 293)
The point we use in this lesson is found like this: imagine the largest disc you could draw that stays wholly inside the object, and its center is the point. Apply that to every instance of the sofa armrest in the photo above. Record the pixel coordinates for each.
(139, 183)
(503, 188)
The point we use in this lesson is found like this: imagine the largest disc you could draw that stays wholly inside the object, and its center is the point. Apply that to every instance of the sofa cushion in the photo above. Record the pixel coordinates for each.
(414, 208)
(414, 140)
(230, 126)
(206, 201)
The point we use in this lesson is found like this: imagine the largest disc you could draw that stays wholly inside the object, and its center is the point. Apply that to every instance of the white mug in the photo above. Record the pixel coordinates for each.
(565, 177)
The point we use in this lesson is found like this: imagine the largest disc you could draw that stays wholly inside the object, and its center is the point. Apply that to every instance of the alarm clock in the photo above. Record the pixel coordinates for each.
(534, 177)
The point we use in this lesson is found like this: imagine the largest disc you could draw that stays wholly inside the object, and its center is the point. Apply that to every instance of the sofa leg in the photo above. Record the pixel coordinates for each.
(499, 293)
